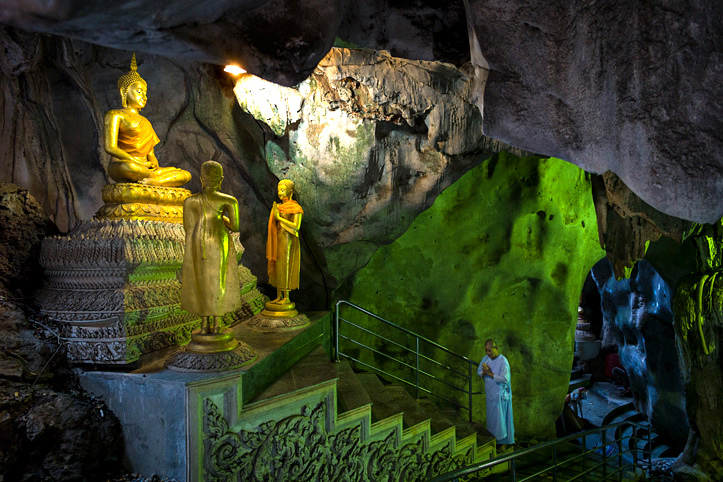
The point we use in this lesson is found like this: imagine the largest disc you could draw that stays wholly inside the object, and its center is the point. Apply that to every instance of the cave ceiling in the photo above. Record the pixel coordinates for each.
(630, 87)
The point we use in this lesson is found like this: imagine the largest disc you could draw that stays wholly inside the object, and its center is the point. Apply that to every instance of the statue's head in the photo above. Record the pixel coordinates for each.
(130, 83)
(211, 174)
(286, 188)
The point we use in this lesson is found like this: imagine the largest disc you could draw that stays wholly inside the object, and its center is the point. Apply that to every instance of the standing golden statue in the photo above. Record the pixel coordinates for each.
(130, 138)
(210, 284)
(283, 251)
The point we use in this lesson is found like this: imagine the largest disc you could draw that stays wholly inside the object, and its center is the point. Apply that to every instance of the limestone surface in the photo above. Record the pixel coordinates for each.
(369, 140)
(503, 253)
(23, 225)
(631, 87)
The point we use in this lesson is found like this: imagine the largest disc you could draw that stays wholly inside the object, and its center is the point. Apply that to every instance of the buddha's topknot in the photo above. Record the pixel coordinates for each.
(126, 80)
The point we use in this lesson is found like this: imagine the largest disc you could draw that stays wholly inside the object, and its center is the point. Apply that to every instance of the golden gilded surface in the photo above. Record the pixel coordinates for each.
(134, 201)
(283, 250)
(128, 192)
(209, 285)
(130, 139)
(212, 342)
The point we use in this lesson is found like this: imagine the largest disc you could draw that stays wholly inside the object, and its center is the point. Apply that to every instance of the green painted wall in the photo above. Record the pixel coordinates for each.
(501, 253)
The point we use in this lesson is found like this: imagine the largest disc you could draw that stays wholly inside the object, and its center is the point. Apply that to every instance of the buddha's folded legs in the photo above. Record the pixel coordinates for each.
(167, 176)
(127, 171)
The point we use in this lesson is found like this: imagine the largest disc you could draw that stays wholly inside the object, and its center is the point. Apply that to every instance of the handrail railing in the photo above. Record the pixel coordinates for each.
(419, 341)
(632, 448)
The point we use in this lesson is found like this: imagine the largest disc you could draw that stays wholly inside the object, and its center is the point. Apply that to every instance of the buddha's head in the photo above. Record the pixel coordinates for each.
(211, 174)
(132, 87)
(286, 189)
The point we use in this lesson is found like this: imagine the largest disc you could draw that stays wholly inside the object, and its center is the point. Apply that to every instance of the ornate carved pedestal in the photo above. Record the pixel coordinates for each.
(129, 200)
(212, 352)
(279, 315)
(112, 286)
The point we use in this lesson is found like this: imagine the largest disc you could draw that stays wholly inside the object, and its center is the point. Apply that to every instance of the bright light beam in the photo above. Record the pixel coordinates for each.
(234, 70)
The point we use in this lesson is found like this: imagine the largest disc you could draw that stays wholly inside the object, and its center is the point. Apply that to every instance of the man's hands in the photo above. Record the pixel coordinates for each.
(486, 370)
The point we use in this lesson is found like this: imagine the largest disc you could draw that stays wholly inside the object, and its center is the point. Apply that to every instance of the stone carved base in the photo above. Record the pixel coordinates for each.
(112, 289)
(135, 201)
(188, 361)
(265, 322)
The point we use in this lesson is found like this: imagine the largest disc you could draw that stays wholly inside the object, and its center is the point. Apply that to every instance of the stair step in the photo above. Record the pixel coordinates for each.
(384, 404)
(314, 368)
(350, 392)
(413, 411)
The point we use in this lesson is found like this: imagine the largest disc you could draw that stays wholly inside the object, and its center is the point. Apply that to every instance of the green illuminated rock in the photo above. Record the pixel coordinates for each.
(698, 309)
(501, 253)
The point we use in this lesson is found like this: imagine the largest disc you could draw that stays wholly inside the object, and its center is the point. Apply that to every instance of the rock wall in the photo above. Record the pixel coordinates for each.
(49, 430)
(54, 93)
(631, 87)
(698, 308)
(370, 140)
(502, 253)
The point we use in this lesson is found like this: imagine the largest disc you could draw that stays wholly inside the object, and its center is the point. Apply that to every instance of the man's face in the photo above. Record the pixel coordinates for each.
(491, 351)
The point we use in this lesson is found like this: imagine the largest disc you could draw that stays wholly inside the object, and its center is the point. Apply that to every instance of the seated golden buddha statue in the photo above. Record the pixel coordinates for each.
(130, 138)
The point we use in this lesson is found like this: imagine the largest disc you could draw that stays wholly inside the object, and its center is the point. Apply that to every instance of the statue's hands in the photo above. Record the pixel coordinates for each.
(275, 210)
(143, 161)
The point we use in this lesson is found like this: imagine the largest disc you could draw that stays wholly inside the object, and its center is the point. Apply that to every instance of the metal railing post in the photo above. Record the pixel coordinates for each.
(417, 353)
(469, 376)
(605, 454)
(650, 447)
(336, 332)
(620, 457)
(584, 458)
(554, 463)
(635, 450)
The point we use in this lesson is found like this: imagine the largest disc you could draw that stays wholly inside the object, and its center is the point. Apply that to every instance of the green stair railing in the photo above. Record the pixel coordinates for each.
(419, 352)
(590, 464)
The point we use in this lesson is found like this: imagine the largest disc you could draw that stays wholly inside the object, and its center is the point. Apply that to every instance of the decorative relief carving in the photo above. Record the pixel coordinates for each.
(300, 448)
(213, 362)
(131, 192)
(112, 286)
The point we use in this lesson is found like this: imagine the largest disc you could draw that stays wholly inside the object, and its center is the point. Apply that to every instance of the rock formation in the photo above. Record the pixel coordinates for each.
(50, 430)
(631, 88)
(369, 140)
(502, 253)
(698, 308)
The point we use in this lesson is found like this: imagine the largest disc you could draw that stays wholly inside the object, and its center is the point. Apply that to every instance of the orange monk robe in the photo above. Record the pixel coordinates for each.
(138, 142)
(289, 280)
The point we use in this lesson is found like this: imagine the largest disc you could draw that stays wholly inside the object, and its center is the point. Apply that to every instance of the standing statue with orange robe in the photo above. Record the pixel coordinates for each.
(282, 249)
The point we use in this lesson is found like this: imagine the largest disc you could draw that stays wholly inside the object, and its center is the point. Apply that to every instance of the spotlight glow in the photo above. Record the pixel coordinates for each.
(234, 70)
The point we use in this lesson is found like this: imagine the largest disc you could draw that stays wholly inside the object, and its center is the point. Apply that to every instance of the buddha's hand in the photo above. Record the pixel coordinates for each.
(143, 161)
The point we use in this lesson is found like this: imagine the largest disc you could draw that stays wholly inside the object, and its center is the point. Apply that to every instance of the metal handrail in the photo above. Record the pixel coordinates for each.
(418, 340)
(475, 468)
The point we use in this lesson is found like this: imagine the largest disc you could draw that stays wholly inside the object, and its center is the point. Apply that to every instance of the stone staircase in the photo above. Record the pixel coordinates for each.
(323, 421)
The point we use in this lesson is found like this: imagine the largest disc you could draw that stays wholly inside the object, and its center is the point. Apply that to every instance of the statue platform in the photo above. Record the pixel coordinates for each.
(135, 201)
(291, 415)
(161, 409)
(112, 287)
